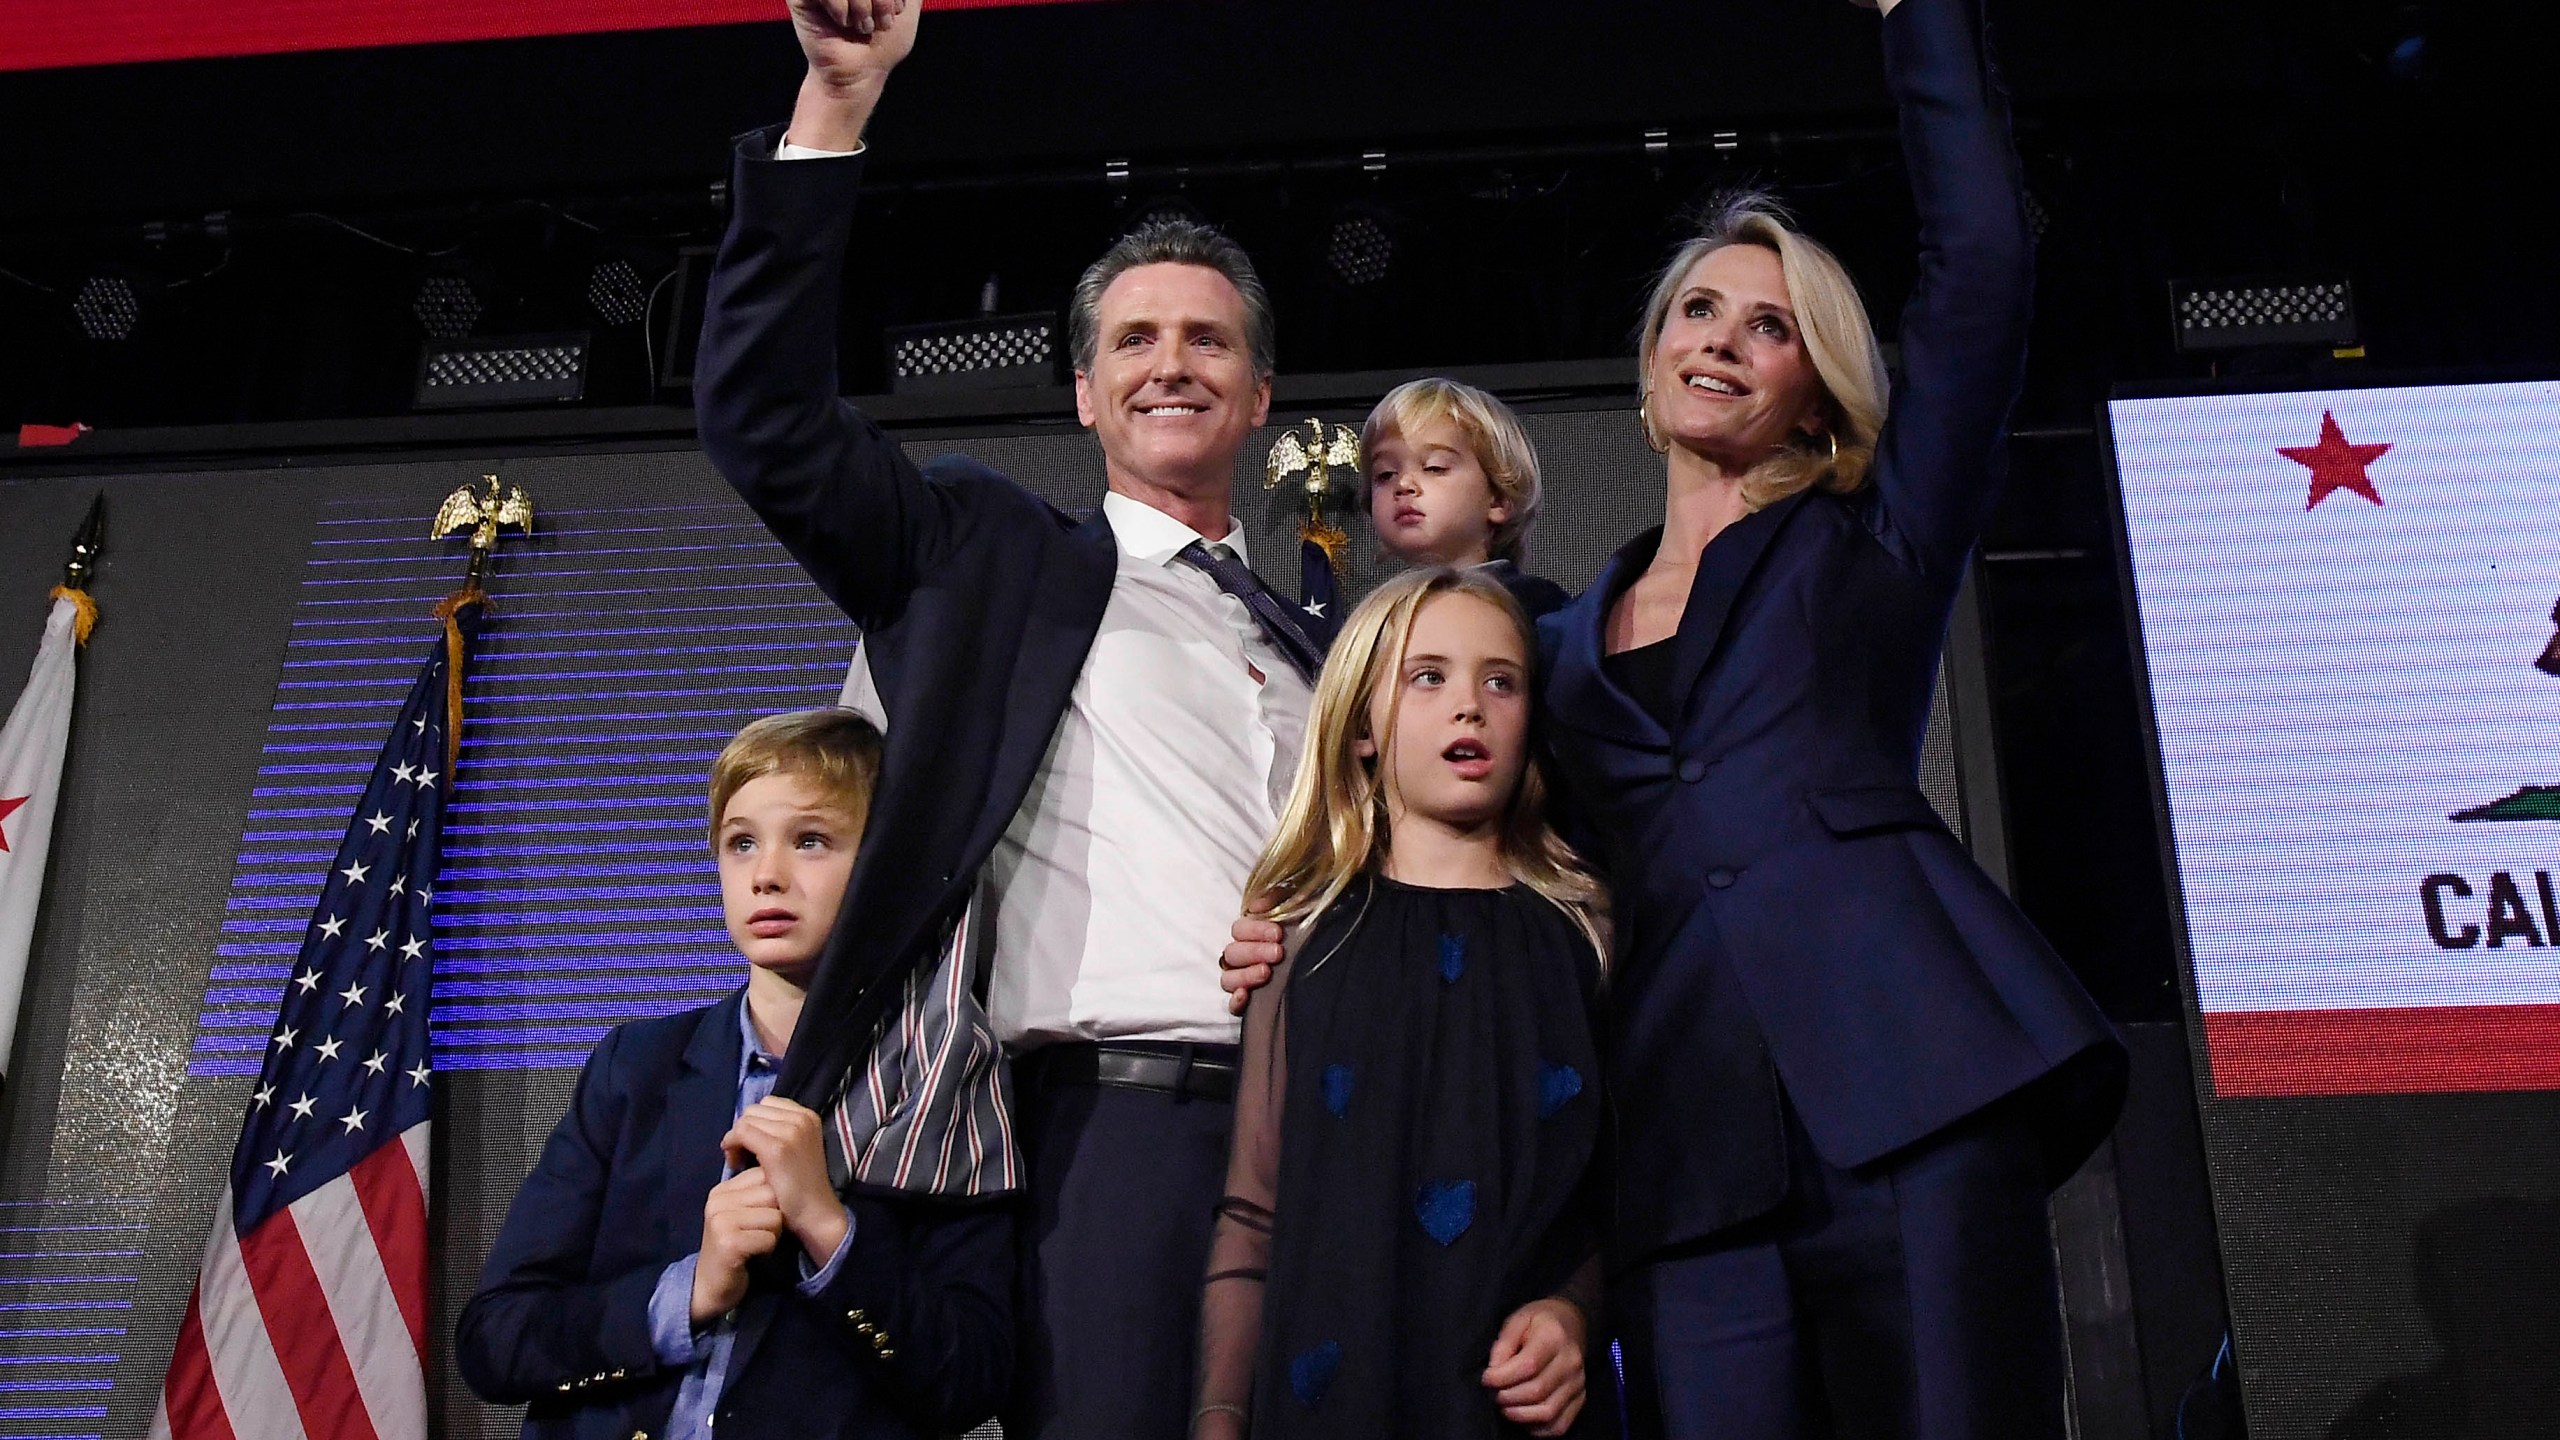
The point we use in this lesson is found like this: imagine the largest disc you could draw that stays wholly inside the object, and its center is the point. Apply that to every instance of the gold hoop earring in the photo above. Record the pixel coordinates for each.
(1644, 422)
(1834, 437)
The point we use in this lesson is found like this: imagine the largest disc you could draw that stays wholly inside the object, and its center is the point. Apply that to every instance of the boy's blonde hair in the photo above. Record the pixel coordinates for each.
(1335, 825)
(837, 750)
(1493, 432)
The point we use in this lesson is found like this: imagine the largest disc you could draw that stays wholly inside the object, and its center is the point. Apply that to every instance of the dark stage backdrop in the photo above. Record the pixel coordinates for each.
(2344, 600)
(258, 626)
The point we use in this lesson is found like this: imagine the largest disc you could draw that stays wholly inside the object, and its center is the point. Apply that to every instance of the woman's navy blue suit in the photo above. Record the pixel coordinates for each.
(1844, 1070)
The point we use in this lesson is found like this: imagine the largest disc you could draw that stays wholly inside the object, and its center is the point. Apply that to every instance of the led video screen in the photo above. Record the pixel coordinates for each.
(46, 34)
(2346, 612)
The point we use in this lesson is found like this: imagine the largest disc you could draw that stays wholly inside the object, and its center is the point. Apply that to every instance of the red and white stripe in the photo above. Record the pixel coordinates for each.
(313, 1326)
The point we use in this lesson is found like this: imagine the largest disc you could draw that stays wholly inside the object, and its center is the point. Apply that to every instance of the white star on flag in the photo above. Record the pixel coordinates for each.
(353, 994)
(380, 822)
(404, 773)
(418, 1076)
(374, 1062)
(354, 873)
(302, 1108)
(284, 1038)
(353, 1120)
(280, 1164)
(378, 940)
(307, 981)
(414, 949)
(263, 1097)
(333, 927)
(328, 1049)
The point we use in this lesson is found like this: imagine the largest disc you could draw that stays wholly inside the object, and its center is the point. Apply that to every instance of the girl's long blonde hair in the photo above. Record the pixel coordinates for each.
(1335, 826)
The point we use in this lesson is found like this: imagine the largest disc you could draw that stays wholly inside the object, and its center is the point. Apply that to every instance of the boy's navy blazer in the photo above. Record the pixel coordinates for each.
(1774, 837)
(977, 599)
(561, 1319)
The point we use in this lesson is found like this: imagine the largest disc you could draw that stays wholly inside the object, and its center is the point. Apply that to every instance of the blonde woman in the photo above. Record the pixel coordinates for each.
(1845, 1071)
(1453, 480)
(1403, 1249)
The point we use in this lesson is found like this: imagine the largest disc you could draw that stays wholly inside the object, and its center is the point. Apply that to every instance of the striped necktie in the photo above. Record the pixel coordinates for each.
(1279, 626)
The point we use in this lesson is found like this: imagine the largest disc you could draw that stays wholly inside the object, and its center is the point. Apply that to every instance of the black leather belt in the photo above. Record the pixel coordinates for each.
(1168, 1067)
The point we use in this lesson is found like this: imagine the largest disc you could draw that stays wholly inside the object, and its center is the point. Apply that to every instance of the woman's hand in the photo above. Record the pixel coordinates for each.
(1536, 1372)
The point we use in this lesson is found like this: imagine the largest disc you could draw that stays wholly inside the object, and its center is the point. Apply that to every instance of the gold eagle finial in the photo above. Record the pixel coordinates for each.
(1314, 457)
(483, 515)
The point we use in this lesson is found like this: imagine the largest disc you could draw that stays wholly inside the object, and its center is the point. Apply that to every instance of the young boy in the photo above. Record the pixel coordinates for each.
(626, 1294)
(1453, 480)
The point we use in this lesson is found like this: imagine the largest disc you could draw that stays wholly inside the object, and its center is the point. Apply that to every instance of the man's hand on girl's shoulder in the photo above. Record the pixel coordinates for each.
(1246, 964)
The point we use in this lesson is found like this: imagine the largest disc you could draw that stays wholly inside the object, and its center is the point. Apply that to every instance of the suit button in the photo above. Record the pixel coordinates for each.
(1693, 770)
(855, 1316)
(1720, 878)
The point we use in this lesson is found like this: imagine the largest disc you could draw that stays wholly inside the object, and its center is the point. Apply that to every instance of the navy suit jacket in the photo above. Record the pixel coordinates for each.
(561, 1319)
(1787, 896)
(977, 599)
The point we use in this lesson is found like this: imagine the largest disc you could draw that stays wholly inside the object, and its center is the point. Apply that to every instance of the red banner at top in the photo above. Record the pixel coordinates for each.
(49, 34)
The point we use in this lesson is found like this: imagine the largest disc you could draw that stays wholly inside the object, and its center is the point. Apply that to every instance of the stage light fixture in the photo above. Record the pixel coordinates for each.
(446, 306)
(2264, 312)
(1362, 247)
(615, 291)
(991, 352)
(502, 370)
(108, 306)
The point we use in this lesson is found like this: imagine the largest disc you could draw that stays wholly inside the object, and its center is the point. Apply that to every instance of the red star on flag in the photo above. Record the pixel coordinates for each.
(7, 809)
(2335, 464)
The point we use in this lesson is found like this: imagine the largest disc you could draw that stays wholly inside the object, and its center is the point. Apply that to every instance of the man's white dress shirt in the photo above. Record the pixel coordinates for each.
(1110, 895)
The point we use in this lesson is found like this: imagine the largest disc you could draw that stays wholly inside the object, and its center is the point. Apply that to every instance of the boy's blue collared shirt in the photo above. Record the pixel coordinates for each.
(705, 1354)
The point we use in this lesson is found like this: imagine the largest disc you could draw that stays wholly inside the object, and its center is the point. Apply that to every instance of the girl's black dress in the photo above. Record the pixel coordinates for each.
(1414, 1133)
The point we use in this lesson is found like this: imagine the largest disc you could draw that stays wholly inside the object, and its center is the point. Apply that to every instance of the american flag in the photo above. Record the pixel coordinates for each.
(309, 1318)
(1319, 591)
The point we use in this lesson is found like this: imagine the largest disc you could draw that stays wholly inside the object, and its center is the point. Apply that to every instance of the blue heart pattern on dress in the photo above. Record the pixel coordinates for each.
(1311, 1374)
(1446, 1208)
(1556, 1085)
(1337, 1089)
(1453, 958)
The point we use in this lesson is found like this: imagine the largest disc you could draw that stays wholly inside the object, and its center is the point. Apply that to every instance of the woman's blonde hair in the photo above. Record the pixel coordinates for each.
(1501, 446)
(836, 750)
(1833, 321)
(1334, 828)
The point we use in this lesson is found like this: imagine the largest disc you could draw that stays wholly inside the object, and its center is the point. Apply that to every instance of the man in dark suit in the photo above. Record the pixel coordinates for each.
(1092, 724)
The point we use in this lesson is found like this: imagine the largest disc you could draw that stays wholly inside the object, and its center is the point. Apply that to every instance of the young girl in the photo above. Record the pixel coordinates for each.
(1453, 480)
(1403, 1249)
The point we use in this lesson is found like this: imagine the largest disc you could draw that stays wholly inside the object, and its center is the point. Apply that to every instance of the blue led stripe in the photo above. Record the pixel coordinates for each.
(761, 552)
(577, 891)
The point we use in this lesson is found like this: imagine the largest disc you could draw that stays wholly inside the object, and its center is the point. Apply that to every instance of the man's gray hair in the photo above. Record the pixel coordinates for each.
(1171, 242)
